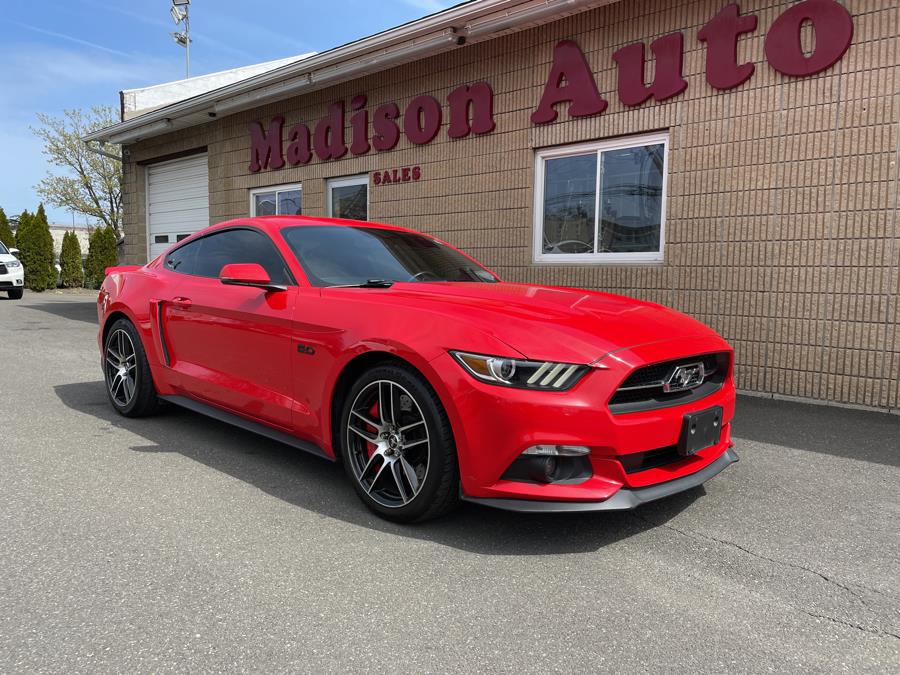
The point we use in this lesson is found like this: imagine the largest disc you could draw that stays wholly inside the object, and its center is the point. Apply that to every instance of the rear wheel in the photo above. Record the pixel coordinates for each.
(15, 293)
(129, 384)
(397, 445)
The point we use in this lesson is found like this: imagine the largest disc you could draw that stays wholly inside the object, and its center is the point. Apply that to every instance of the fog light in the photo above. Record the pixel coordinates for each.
(557, 450)
(542, 469)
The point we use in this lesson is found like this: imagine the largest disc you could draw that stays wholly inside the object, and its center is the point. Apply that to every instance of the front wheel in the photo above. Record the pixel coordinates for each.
(129, 384)
(397, 445)
(15, 293)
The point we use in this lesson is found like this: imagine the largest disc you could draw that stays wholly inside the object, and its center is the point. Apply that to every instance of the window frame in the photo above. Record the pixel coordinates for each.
(292, 279)
(344, 181)
(597, 147)
(284, 187)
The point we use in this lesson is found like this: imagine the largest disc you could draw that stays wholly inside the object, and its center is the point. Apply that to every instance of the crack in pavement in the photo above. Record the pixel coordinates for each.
(700, 536)
(841, 622)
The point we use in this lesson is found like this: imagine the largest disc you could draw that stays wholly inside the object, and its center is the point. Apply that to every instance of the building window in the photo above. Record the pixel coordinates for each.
(349, 197)
(601, 202)
(280, 200)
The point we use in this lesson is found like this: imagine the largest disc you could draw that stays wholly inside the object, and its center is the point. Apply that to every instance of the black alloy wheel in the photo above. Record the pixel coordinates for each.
(129, 384)
(397, 445)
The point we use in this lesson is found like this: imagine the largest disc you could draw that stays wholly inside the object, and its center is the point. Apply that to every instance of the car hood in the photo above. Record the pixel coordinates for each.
(7, 257)
(551, 323)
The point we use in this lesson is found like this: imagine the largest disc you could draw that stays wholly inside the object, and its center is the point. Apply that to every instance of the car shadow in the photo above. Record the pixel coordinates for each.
(842, 432)
(74, 311)
(310, 483)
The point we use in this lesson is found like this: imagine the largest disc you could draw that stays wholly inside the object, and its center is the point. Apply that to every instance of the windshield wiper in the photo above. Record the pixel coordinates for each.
(371, 283)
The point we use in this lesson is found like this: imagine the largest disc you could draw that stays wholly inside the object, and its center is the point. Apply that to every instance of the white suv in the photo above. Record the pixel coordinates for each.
(12, 274)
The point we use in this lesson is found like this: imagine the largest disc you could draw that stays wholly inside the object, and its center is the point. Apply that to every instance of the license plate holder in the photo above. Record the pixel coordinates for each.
(700, 430)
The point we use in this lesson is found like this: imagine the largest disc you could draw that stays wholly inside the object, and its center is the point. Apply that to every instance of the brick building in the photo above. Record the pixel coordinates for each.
(737, 163)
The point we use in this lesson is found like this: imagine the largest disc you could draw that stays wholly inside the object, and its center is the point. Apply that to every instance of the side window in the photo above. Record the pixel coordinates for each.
(182, 260)
(239, 246)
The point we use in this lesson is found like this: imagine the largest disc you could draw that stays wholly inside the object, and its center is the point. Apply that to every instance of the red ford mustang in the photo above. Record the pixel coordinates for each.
(428, 377)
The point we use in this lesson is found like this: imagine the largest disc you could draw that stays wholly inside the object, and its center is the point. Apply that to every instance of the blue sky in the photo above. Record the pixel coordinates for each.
(58, 54)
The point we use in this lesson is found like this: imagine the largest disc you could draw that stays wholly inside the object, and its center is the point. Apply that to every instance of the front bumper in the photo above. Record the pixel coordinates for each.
(494, 425)
(623, 500)
(14, 278)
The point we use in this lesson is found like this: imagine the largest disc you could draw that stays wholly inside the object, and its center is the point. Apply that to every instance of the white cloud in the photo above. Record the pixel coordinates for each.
(70, 38)
(198, 37)
(35, 75)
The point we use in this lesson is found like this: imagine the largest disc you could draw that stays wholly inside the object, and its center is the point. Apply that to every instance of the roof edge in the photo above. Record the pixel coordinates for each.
(468, 22)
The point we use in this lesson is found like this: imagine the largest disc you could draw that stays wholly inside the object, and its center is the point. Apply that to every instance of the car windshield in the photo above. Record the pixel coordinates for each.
(338, 256)
(3, 249)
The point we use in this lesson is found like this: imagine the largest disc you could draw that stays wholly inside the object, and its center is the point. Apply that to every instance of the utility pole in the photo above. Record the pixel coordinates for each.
(180, 12)
(187, 42)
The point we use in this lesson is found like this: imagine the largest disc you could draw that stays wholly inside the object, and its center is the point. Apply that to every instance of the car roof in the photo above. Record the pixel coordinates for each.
(281, 222)
(276, 223)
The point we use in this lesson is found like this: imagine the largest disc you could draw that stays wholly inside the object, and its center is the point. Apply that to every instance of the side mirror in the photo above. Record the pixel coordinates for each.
(14, 251)
(248, 274)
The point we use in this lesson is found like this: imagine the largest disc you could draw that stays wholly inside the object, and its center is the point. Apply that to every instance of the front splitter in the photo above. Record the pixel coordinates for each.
(624, 500)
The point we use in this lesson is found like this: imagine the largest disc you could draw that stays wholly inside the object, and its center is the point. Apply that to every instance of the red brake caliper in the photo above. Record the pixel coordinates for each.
(373, 414)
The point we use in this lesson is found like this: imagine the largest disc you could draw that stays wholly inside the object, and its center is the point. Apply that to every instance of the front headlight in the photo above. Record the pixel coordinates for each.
(12, 263)
(545, 375)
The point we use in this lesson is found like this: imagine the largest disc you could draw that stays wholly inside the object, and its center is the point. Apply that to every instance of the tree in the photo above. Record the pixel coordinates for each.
(91, 183)
(70, 261)
(102, 253)
(35, 244)
(6, 233)
(22, 224)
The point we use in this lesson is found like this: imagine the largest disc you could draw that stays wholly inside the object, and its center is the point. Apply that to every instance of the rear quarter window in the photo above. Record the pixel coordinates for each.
(183, 259)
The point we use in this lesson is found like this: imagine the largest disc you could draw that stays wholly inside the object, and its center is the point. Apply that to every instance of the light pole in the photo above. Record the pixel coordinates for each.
(180, 14)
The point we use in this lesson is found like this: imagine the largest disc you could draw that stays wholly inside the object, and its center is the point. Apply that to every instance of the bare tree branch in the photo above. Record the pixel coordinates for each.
(88, 183)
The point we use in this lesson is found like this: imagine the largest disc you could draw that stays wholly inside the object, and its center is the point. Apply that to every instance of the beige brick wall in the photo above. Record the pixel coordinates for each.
(782, 228)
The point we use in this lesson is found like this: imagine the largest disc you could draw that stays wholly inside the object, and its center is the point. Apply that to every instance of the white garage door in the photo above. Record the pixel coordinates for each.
(177, 200)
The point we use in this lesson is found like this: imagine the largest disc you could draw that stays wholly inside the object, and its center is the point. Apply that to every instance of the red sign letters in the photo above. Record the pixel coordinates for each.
(392, 176)
(470, 108)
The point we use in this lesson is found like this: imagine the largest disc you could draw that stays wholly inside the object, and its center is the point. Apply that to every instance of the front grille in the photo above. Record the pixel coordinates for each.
(6, 284)
(643, 389)
(3, 269)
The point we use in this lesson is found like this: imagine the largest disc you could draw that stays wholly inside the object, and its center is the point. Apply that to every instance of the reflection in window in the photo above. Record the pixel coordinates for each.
(334, 256)
(631, 199)
(276, 201)
(238, 246)
(289, 203)
(349, 198)
(265, 204)
(570, 197)
(625, 178)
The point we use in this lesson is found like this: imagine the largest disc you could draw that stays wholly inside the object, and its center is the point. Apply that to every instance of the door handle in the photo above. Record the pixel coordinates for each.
(181, 301)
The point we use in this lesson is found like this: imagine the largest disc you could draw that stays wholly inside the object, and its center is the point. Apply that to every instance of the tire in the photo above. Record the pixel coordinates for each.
(129, 384)
(15, 293)
(400, 458)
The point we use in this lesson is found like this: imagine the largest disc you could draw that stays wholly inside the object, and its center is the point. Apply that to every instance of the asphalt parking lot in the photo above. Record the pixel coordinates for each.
(178, 543)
